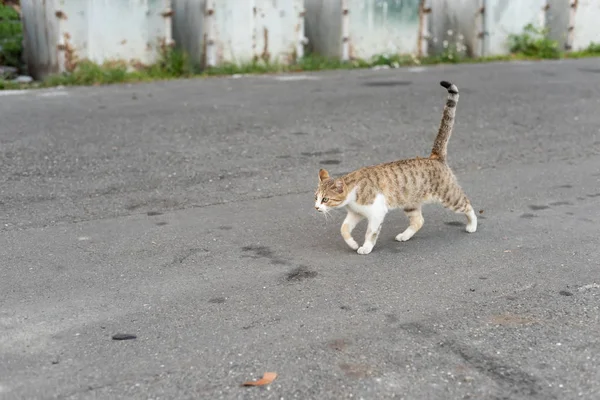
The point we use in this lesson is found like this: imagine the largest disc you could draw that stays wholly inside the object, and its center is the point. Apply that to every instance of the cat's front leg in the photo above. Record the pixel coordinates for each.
(348, 226)
(373, 229)
(375, 213)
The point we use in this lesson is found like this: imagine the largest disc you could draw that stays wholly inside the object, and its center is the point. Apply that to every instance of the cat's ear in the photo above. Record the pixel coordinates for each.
(323, 174)
(340, 185)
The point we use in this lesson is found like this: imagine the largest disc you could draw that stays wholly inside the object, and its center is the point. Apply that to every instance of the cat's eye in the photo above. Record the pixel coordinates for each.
(325, 199)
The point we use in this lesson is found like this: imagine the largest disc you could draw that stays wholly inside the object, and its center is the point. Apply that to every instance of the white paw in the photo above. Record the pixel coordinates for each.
(353, 245)
(364, 249)
(471, 227)
(404, 236)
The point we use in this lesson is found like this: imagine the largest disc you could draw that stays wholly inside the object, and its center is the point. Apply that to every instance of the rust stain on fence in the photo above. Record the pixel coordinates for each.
(265, 54)
(571, 29)
(60, 15)
(71, 59)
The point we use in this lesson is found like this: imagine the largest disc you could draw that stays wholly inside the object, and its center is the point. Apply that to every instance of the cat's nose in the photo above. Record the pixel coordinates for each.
(317, 208)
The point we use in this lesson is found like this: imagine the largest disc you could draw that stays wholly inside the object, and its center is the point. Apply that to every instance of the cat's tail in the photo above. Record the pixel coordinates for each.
(440, 146)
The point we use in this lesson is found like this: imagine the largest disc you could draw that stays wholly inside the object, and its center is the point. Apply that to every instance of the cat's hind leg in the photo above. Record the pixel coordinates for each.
(457, 201)
(471, 219)
(415, 218)
(352, 219)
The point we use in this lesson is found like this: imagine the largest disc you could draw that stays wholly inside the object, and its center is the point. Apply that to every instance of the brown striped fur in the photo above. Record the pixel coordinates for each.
(370, 192)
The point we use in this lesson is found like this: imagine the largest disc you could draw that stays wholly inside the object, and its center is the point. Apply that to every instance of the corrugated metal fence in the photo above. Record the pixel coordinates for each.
(58, 33)
(214, 32)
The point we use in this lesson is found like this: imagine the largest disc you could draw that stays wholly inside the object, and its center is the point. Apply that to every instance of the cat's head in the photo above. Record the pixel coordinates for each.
(330, 193)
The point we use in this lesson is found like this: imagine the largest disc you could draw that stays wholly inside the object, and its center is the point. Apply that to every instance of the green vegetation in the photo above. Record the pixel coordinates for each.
(8, 85)
(593, 50)
(11, 37)
(531, 44)
(534, 42)
(172, 64)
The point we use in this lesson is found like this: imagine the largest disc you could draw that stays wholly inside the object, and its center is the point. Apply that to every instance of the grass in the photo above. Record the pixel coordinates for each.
(11, 36)
(534, 42)
(531, 44)
(593, 50)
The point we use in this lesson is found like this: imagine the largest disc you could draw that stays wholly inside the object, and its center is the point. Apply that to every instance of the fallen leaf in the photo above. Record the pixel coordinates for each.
(480, 211)
(267, 378)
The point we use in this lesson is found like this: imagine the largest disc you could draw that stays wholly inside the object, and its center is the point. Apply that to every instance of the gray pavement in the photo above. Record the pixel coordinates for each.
(182, 212)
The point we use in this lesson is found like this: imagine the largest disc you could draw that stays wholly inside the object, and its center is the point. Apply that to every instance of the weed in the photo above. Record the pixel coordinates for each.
(173, 63)
(450, 55)
(252, 67)
(534, 42)
(593, 50)
(11, 37)
(89, 73)
(393, 60)
(8, 85)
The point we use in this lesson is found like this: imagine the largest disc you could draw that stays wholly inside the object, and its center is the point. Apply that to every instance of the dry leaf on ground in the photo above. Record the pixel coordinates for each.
(267, 378)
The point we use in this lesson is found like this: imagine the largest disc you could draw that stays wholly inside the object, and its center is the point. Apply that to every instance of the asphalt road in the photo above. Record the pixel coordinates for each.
(182, 212)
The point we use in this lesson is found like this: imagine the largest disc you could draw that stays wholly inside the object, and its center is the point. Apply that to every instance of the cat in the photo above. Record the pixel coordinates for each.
(370, 192)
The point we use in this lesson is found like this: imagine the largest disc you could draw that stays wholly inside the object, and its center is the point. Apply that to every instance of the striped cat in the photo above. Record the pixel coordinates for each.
(370, 192)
